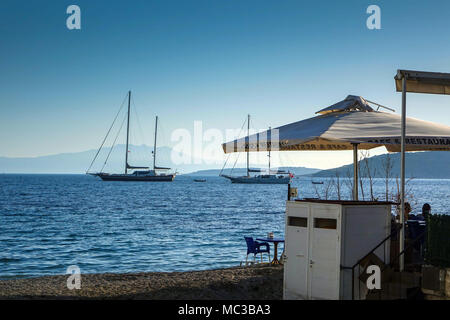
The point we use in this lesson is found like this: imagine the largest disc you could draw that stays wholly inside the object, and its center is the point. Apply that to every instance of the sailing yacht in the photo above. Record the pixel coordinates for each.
(154, 174)
(266, 176)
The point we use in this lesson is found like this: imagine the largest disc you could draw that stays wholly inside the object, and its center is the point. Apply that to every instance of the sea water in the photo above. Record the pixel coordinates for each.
(50, 222)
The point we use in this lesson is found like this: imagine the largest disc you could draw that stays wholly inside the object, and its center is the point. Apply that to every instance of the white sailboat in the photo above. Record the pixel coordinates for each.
(265, 176)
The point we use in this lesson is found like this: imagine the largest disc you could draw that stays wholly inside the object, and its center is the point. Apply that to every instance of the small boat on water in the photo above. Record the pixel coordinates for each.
(265, 176)
(317, 182)
(200, 180)
(260, 179)
(155, 174)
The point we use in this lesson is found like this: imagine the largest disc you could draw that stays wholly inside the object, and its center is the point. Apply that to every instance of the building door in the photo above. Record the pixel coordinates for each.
(324, 253)
(296, 250)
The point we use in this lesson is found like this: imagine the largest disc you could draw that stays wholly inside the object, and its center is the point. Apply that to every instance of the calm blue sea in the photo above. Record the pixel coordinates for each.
(49, 222)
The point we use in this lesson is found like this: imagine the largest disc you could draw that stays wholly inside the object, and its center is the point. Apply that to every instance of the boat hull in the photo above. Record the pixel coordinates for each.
(123, 177)
(258, 180)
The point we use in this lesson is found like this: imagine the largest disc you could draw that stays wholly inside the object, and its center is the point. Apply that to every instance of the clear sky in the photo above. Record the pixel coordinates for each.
(211, 60)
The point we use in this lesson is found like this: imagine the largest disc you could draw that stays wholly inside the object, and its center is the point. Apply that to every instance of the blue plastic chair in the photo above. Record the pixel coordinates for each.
(256, 247)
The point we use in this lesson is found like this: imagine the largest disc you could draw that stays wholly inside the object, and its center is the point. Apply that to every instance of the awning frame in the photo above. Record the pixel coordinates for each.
(418, 82)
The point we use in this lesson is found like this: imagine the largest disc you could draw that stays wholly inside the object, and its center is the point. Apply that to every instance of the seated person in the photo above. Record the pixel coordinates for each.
(426, 210)
(407, 212)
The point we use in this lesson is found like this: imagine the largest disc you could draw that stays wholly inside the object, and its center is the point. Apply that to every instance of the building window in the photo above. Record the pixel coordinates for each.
(325, 223)
(298, 222)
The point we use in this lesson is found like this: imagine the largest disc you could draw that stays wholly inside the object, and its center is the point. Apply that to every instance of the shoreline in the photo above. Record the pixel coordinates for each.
(259, 282)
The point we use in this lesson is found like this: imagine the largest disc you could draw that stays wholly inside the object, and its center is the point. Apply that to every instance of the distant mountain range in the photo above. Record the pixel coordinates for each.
(427, 165)
(297, 171)
(79, 162)
(418, 164)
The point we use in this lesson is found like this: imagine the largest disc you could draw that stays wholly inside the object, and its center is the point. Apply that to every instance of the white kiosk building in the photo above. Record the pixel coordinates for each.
(324, 239)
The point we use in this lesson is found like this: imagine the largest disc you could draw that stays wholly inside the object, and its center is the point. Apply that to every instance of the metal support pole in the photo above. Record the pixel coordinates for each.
(289, 192)
(355, 171)
(248, 146)
(402, 174)
(154, 144)
(270, 147)
(128, 132)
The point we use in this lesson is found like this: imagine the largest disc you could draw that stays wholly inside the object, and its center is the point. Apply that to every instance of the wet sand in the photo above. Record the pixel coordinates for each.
(260, 282)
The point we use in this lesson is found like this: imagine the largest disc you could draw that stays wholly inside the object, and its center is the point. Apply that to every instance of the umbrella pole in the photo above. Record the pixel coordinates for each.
(355, 171)
(402, 174)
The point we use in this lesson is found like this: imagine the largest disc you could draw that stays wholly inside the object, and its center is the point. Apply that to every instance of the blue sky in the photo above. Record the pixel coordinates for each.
(212, 60)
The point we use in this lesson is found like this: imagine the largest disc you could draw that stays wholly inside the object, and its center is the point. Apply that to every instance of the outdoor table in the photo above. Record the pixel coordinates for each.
(275, 244)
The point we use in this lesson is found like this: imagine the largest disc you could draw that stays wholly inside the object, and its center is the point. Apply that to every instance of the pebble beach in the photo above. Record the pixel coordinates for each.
(261, 282)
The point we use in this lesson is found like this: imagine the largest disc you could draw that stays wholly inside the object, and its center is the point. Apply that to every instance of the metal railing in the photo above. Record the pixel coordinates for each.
(391, 263)
(358, 263)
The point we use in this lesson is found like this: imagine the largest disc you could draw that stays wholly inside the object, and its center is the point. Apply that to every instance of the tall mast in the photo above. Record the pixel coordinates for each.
(248, 144)
(154, 146)
(270, 146)
(128, 132)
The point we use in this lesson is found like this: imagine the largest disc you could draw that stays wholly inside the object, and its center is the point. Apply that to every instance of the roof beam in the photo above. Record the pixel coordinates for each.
(423, 81)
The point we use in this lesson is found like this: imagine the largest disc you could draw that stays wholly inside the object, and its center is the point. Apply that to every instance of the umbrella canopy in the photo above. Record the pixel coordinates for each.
(341, 126)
